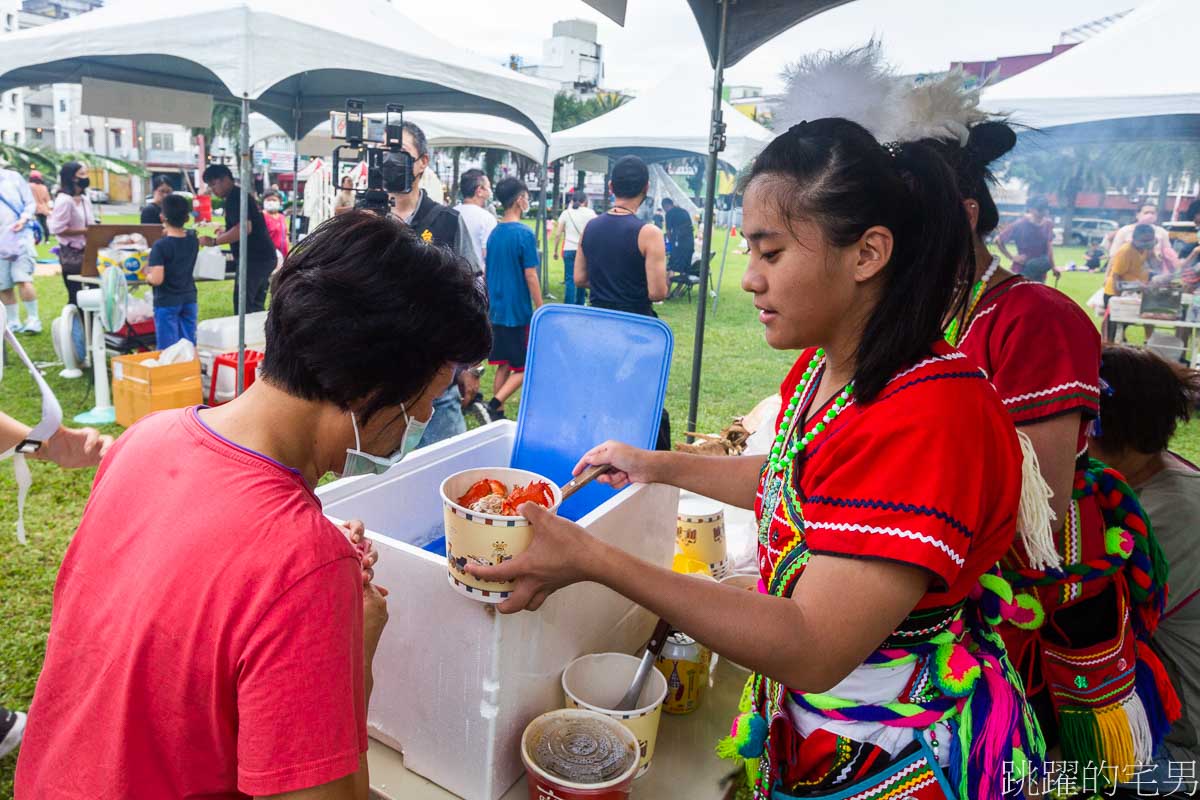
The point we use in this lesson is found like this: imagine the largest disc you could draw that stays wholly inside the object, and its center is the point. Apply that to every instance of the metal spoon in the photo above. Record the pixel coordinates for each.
(653, 648)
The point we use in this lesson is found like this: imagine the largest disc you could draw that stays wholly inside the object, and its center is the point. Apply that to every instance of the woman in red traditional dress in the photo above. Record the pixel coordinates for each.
(1101, 695)
(876, 669)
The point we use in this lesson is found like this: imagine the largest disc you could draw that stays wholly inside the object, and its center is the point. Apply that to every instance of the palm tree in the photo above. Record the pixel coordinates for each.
(1064, 171)
(48, 161)
(1138, 163)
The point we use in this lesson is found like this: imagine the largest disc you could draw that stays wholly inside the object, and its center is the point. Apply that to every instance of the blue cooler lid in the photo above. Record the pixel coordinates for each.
(590, 375)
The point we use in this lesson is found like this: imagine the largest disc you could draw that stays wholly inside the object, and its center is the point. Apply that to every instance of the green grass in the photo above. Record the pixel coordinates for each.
(739, 370)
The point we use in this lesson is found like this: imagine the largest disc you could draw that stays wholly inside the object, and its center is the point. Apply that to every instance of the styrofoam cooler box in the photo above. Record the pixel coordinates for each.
(221, 333)
(456, 682)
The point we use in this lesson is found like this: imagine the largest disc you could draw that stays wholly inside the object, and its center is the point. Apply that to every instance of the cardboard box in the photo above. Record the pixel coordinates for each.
(139, 390)
(456, 682)
(98, 237)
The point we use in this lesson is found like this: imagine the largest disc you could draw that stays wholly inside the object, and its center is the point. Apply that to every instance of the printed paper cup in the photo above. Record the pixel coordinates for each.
(598, 682)
(700, 533)
(473, 537)
(591, 746)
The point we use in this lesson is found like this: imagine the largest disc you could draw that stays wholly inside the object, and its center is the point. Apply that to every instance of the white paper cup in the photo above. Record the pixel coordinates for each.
(484, 539)
(700, 532)
(598, 682)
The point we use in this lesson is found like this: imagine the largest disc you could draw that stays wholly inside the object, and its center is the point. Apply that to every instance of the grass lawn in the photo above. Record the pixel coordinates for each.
(739, 370)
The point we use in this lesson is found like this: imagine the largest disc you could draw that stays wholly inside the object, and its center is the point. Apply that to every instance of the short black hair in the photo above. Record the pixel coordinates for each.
(666, 201)
(418, 137)
(162, 180)
(1038, 204)
(470, 182)
(1143, 231)
(176, 210)
(509, 190)
(1147, 398)
(402, 309)
(214, 172)
(629, 177)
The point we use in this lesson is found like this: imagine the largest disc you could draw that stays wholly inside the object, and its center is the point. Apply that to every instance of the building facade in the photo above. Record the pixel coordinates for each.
(572, 56)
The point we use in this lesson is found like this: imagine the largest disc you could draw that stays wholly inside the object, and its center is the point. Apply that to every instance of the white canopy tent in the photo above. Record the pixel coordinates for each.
(1136, 80)
(292, 60)
(443, 130)
(667, 121)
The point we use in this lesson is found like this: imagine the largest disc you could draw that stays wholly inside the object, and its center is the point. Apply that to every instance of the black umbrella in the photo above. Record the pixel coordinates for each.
(732, 29)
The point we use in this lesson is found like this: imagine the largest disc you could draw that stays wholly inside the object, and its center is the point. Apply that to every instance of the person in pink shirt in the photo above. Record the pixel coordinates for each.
(1163, 251)
(276, 221)
(69, 220)
(213, 633)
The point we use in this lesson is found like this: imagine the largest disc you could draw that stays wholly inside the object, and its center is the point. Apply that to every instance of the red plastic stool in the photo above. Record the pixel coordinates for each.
(250, 371)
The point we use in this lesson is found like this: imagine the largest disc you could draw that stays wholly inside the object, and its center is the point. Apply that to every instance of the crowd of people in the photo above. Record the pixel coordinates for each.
(969, 509)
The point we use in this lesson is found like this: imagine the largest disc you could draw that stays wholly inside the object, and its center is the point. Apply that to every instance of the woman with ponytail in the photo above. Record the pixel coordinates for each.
(1099, 691)
(876, 671)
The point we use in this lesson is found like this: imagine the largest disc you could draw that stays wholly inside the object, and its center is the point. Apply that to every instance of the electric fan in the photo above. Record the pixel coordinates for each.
(62, 333)
(107, 306)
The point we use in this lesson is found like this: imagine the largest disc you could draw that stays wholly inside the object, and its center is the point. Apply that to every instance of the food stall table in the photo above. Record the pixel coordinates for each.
(1193, 354)
(685, 762)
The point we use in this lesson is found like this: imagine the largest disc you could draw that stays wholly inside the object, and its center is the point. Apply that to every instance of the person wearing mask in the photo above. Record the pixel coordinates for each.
(69, 221)
(1164, 253)
(876, 522)
(345, 197)
(1134, 262)
(475, 210)
(260, 250)
(514, 292)
(18, 208)
(439, 225)
(1033, 236)
(1052, 394)
(236, 653)
(567, 233)
(680, 234)
(1145, 400)
(622, 259)
(277, 227)
(153, 210)
(41, 196)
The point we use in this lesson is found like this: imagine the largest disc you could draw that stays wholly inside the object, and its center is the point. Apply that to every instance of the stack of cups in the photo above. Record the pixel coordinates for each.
(700, 534)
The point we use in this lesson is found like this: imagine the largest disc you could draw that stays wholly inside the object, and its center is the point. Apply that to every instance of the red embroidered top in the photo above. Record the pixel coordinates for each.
(928, 474)
(1042, 353)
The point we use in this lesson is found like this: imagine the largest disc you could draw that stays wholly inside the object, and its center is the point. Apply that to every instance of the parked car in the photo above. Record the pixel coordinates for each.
(1088, 230)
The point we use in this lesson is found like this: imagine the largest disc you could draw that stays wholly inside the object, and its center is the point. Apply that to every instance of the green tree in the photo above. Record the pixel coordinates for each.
(226, 122)
(1135, 164)
(570, 111)
(49, 161)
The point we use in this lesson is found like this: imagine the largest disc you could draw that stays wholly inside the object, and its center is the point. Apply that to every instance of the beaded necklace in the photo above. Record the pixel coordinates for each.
(976, 295)
(782, 453)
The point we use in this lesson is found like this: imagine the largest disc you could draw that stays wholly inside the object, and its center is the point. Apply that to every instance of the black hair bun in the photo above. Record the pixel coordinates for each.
(990, 140)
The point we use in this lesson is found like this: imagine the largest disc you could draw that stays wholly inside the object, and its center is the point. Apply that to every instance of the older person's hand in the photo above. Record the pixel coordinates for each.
(356, 532)
(71, 448)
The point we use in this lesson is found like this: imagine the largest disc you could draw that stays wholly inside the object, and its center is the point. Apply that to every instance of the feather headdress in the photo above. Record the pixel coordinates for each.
(859, 85)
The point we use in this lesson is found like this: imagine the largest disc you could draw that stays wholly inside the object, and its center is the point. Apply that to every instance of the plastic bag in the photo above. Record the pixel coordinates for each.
(210, 264)
(179, 353)
(138, 309)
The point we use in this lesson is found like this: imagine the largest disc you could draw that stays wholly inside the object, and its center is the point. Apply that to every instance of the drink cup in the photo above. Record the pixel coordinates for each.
(700, 533)
(598, 752)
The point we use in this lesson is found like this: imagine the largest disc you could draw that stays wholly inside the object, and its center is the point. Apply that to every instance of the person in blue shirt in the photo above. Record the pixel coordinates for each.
(169, 270)
(513, 291)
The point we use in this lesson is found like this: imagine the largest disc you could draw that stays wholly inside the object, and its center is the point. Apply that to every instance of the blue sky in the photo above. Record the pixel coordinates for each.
(659, 35)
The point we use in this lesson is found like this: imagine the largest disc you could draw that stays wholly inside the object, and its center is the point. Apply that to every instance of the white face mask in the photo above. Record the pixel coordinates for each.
(271, 206)
(360, 463)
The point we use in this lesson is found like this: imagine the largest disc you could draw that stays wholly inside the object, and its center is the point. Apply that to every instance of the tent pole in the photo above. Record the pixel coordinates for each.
(244, 173)
(716, 143)
(721, 274)
(542, 221)
(295, 226)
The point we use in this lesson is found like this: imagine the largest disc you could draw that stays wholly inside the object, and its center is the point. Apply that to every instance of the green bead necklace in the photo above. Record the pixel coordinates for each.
(783, 453)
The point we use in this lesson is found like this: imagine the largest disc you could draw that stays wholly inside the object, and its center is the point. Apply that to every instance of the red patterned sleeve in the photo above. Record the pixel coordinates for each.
(1045, 355)
(916, 481)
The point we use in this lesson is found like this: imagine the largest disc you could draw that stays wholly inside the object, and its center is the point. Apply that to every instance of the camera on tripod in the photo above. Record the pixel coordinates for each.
(378, 143)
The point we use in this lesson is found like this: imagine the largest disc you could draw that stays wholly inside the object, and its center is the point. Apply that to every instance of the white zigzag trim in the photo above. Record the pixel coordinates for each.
(915, 535)
(951, 357)
(1052, 390)
(898, 778)
(976, 318)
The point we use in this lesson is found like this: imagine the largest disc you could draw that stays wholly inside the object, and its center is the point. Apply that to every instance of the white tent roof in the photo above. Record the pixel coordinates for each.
(1138, 77)
(441, 130)
(665, 122)
(279, 53)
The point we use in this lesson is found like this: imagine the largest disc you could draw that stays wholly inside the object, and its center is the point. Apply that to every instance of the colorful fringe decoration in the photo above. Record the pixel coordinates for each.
(1118, 735)
(1159, 699)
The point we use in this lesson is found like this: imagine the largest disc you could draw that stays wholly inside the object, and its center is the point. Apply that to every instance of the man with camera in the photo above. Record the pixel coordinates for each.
(435, 224)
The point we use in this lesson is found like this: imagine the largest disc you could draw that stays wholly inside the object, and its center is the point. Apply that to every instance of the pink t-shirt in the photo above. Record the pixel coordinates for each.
(206, 638)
